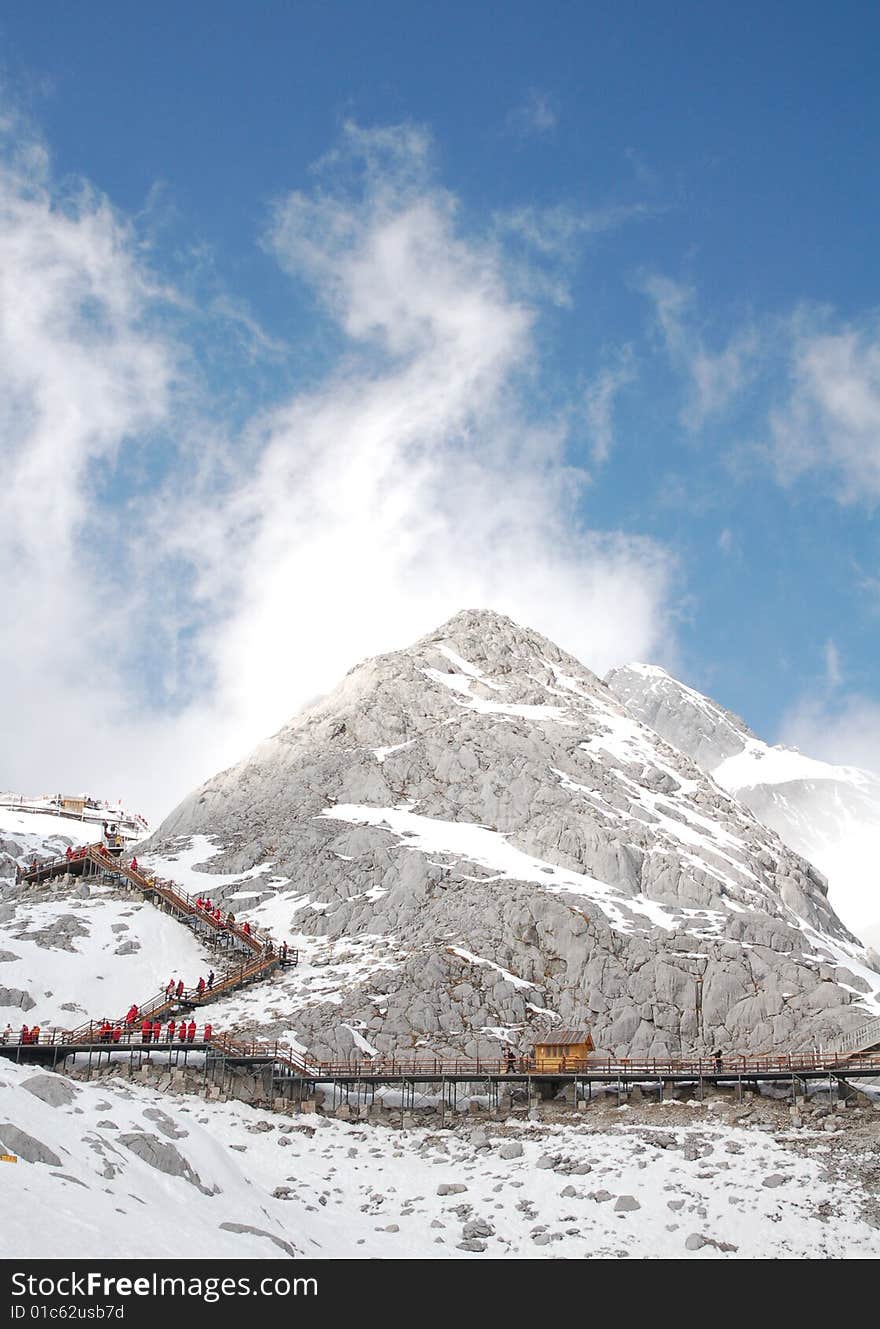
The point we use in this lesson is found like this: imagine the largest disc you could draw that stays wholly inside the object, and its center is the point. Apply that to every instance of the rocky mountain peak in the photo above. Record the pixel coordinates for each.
(494, 843)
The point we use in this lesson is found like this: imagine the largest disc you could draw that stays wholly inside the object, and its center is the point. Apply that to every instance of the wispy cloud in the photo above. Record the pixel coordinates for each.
(600, 398)
(843, 730)
(713, 378)
(536, 117)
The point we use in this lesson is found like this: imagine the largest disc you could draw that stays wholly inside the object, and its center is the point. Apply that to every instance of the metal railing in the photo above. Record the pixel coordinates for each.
(861, 1039)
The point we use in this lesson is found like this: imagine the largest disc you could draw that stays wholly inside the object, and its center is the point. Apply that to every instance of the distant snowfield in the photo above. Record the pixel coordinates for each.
(760, 764)
(124, 1163)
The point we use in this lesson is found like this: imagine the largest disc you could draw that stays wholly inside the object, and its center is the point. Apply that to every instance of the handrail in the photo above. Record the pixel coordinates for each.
(861, 1039)
(379, 1067)
(256, 939)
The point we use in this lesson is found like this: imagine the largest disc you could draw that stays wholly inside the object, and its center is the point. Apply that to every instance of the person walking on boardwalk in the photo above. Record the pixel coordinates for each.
(191, 1031)
(157, 1030)
(169, 989)
(179, 989)
(210, 979)
(209, 1029)
(134, 865)
(146, 1030)
(172, 1025)
(200, 986)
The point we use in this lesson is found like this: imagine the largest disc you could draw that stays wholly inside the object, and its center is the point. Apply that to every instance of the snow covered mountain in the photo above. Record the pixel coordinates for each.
(473, 838)
(828, 814)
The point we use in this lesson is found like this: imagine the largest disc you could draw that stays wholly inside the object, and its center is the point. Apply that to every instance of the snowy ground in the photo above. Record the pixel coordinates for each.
(115, 1158)
(41, 832)
(80, 959)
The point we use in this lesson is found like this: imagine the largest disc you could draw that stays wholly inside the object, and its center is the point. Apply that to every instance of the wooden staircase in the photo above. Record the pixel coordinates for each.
(261, 955)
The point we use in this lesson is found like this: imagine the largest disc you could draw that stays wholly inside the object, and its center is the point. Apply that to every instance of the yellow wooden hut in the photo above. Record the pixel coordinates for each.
(562, 1050)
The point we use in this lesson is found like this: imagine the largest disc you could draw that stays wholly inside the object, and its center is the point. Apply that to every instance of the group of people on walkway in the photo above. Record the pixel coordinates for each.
(175, 989)
(116, 1031)
(215, 913)
(151, 1031)
(25, 1035)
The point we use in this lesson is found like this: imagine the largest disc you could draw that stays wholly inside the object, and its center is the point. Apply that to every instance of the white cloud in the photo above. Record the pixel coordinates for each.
(85, 381)
(831, 418)
(714, 378)
(410, 483)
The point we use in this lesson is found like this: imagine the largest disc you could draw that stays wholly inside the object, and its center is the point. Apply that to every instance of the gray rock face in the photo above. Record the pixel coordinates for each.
(161, 1156)
(52, 1089)
(18, 1142)
(477, 830)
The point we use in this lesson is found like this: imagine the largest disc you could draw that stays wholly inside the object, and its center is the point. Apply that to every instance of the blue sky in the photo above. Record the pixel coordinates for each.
(296, 292)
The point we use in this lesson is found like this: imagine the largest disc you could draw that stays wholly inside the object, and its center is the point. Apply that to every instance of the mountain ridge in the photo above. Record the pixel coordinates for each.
(828, 814)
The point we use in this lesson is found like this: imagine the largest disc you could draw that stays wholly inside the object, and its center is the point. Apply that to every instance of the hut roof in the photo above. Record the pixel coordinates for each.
(560, 1036)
